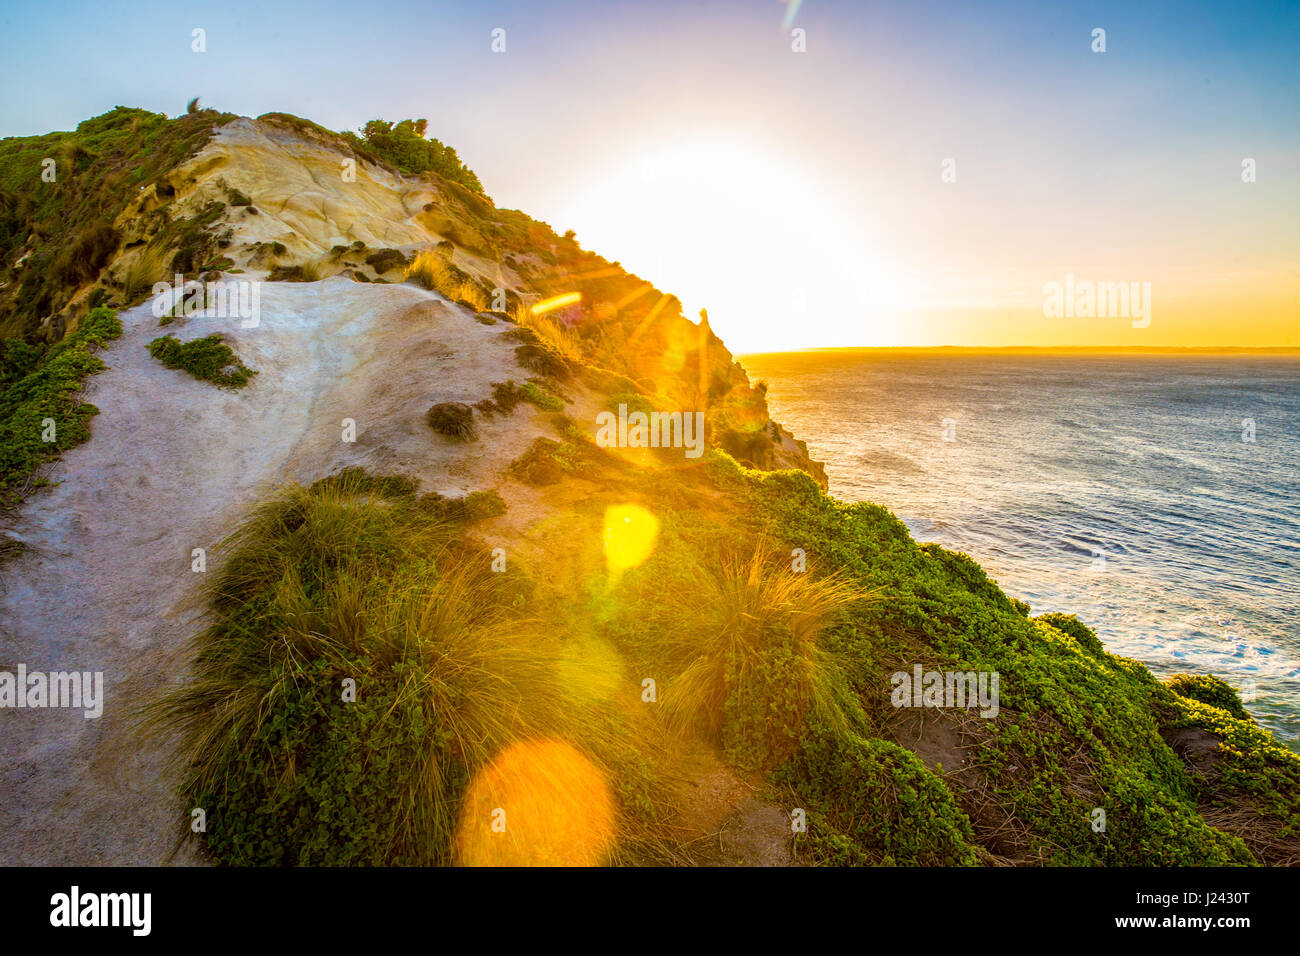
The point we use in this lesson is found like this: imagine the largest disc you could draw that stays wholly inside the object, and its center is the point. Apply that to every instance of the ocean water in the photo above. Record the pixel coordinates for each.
(1121, 488)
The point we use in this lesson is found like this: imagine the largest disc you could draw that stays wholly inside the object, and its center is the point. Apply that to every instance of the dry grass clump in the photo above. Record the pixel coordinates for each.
(555, 334)
(437, 274)
(453, 419)
(304, 272)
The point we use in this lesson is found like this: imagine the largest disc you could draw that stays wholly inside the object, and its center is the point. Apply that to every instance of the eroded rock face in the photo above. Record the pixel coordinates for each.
(320, 207)
(299, 188)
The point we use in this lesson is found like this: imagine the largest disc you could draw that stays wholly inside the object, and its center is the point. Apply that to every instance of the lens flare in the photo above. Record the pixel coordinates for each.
(591, 668)
(539, 803)
(631, 533)
(556, 302)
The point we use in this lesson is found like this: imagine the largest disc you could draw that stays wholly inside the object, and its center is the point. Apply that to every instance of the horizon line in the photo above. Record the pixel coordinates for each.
(1165, 349)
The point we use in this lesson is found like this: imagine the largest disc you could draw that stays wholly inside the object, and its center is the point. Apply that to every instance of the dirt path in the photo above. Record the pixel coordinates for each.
(105, 583)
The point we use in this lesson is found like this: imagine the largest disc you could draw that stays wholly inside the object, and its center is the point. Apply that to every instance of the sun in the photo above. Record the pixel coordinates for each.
(759, 241)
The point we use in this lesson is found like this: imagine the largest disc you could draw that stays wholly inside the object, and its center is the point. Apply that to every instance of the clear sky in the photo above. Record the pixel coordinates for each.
(798, 196)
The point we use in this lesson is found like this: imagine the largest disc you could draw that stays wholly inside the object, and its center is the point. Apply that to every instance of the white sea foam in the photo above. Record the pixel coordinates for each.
(1117, 488)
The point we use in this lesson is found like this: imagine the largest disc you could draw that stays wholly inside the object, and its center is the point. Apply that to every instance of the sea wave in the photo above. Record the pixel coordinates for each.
(1120, 489)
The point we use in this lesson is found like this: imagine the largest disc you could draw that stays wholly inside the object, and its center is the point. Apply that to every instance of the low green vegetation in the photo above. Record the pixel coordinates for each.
(546, 462)
(770, 617)
(543, 360)
(535, 394)
(403, 144)
(1207, 689)
(363, 668)
(304, 272)
(64, 225)
(634, 401)
(1244, 777)
(40, 413)
(208, 359)
(385, 260)
(507, 396)
(234, 197)
(1078, 729)
(371, 662)
(475, 506)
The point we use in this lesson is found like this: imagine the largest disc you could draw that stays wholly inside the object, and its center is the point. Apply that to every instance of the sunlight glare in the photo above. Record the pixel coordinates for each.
(630, 536)
(764, 246)
(539, 803)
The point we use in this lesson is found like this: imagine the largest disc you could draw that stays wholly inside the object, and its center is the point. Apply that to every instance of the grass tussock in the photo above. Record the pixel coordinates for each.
(752, 671)
(477, 690)
(437, 274)
(349, 586)
(554, 334)
(455, 420)
(543, 361)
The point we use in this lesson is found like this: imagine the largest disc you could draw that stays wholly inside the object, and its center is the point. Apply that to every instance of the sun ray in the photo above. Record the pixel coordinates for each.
(556, 302)
(645, 323)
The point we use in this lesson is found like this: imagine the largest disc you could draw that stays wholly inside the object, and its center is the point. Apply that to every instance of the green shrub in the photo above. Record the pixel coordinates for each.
(304, 272)
(1208, 689)
(1247, 767)
(1078, 729)
(208, 359)
(634, 401)
(41, 384)
(506, 397)
(386, 260)
(543, 360)
(877, 803)
(234, 197)
(1148, 826)
(476, 506)
(403, 144)
(536, 395)
(1071, 625)
(484, 504)
(544, 462)
(102, 167)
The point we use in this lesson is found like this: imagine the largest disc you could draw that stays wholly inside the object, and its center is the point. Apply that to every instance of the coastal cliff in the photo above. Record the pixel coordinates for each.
(381, 594)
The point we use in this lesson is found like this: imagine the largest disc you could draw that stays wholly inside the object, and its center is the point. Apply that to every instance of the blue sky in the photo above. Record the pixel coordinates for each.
(1067, 160)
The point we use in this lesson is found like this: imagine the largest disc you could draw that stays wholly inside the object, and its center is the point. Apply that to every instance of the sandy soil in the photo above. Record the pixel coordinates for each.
(105, 583)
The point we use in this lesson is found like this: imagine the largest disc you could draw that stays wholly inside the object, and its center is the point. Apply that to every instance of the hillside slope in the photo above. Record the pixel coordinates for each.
(282, 197)
(433, 602)
(105, 580)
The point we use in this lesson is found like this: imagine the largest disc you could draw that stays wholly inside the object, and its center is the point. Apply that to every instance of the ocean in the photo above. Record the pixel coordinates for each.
(1156, 496)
